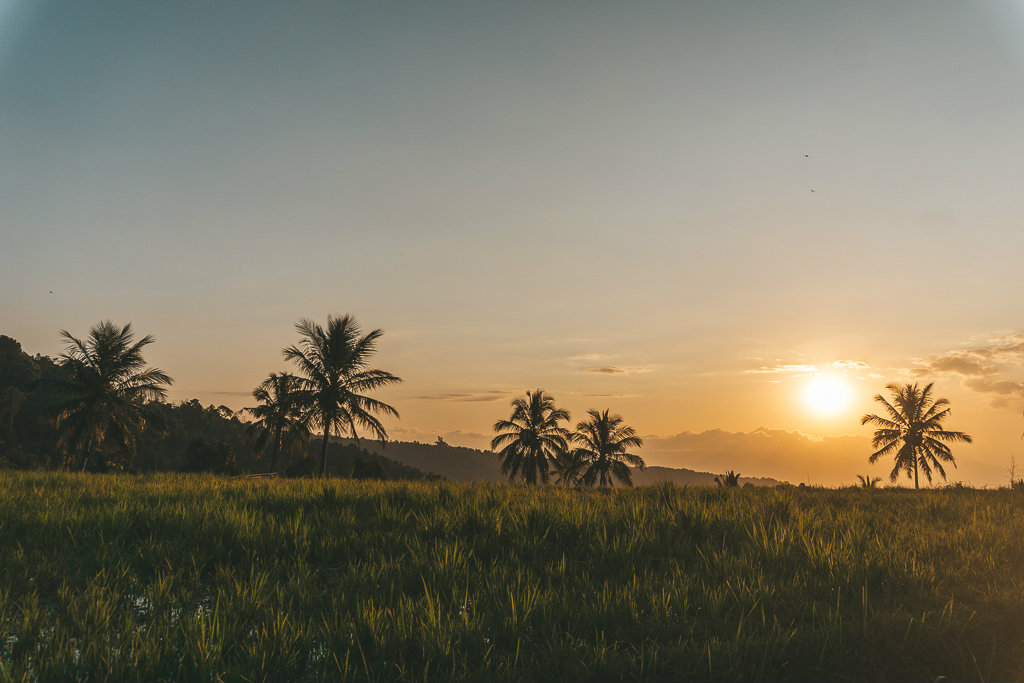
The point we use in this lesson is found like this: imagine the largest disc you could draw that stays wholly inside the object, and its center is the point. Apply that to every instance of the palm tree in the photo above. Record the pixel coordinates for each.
(279, 421)
(334, 361)
(867, 481)
(913, 431)
(603, 442)
(531, 437)
(729, 480)
(569, 467)
(102, 399)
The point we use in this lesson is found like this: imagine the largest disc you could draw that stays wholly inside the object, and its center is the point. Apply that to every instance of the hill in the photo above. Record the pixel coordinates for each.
(459, 463)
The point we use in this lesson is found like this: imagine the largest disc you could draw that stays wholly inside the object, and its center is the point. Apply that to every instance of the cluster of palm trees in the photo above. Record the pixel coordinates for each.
(534, 444)
(326, 394)
(103, 398)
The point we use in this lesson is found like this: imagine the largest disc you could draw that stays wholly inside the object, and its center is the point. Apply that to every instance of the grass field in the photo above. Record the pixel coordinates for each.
(196, 578)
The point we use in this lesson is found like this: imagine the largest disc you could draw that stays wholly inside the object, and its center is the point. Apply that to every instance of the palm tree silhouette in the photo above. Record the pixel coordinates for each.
(334, 362)
(603, 442)
(867, 481)
(279, 422)
(913, 431)
(101, 402)
(569, 467)
(729, 480)
(531, 437)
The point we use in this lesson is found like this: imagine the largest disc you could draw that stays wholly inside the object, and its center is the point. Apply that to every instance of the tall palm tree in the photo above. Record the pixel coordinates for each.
(531, 437)
(279, 422)
(334, 362)
(913, 431)
(603, 442)
(101, 402)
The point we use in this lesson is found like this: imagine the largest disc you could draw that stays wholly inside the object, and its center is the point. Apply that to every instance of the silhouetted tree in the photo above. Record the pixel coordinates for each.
(913, 431)
(279, 423)
(102, 400)
(569, 467)
(604, 441)
(334, 364)
(531, 437)
(867, 481)
(730, 480)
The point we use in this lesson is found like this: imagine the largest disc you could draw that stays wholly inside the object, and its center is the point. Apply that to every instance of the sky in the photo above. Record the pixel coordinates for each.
(686, 213)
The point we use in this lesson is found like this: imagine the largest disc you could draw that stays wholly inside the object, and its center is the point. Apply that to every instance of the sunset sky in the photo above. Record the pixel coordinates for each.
(683, 212)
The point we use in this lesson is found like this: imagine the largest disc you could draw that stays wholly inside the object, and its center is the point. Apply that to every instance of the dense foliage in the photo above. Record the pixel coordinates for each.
(177, 437)
(199, 578)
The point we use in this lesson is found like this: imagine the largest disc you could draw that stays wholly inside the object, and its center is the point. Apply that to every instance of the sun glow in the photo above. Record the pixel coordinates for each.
(826, 395)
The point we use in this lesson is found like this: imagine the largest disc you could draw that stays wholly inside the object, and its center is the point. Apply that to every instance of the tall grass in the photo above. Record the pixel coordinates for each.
(196, 578)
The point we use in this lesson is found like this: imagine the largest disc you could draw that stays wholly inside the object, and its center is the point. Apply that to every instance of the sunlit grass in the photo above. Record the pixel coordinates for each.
(191, 578)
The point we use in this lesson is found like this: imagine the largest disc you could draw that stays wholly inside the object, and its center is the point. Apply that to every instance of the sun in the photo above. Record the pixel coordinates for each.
(826, 395)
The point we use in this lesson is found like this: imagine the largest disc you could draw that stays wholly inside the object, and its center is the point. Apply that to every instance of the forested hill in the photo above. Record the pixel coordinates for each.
(458, 463)
(178, 437)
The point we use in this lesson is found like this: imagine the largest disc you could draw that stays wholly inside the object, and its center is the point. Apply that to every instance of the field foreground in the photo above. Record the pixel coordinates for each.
(196, 578)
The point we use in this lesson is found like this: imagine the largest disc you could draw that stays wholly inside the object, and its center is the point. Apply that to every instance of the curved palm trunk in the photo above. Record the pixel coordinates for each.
(323, 450)
(915, 471)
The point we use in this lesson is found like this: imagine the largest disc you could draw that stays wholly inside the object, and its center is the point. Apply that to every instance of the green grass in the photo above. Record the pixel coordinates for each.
(195, 578)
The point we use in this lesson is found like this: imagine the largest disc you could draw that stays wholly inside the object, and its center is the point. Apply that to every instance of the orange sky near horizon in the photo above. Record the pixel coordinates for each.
(680, 212)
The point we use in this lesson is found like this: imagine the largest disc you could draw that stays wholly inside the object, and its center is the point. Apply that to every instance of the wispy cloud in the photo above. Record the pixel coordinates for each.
(807, 368)
(850, 365)
(991, 367)
(954, 362)
(616, 370)
(468, 397)
(786, 368)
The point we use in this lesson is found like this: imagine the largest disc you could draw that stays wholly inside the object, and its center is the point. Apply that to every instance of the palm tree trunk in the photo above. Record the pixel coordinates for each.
(915, 472)
(323, 450)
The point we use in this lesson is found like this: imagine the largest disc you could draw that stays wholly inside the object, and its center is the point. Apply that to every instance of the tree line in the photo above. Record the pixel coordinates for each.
(100, 407)
(90, 409)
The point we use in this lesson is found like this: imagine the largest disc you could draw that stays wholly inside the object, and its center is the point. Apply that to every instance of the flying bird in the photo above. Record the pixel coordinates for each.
(807, 156)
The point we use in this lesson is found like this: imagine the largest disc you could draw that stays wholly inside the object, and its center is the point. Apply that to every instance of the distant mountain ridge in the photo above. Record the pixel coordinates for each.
(460, 463)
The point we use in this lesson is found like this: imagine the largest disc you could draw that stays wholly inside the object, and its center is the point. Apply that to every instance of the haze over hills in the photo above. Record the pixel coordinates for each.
(459, 463)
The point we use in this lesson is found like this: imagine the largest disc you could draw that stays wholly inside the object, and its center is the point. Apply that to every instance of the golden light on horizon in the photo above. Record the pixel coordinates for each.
(826, 395)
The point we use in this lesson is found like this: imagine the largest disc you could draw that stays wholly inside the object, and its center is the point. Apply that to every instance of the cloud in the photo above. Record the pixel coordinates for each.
(992, 367)
(1006, 348)
(616, 370)
(956, 363)
(468, 397)
(792, 368)
(995, 386)
(850, 364)
(807, 368)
